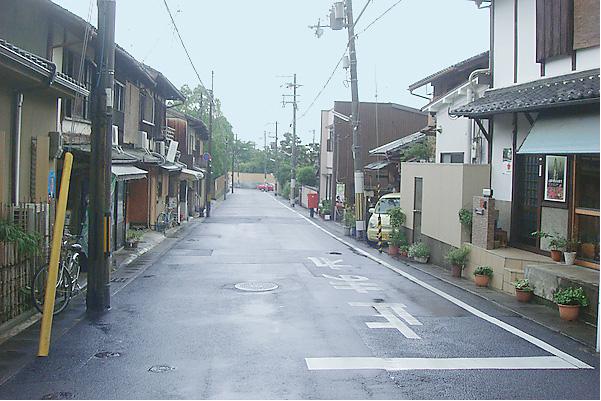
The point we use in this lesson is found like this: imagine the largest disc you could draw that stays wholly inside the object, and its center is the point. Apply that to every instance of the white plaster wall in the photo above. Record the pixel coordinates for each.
(503, 43)
(454, 136)
(502, 138)
(559, 65)
(528, 68)
(587, 59)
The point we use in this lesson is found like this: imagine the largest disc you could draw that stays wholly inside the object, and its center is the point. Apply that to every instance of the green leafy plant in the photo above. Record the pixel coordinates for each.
(349, 217)
(523, 285)
(459, 256)
(325, 207)
(397, 217)
(570, 296)
(556, 242)
(404, 248)
(465, 217)
(397, 238)
(134, 235)
(27, 244)
(572, 245)
(419, 250)
(483, 271)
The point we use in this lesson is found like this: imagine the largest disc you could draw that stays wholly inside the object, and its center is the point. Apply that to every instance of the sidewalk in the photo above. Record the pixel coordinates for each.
(544, 315)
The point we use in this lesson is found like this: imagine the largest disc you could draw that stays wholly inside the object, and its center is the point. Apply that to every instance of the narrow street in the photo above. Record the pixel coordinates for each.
(339, 325)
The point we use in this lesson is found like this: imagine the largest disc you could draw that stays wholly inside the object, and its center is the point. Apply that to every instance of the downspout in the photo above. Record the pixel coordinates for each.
(18, 117)
(472, 89)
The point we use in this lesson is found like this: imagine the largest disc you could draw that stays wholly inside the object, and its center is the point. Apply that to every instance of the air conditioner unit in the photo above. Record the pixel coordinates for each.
(115, 135)
(160, 147)
(141, 140)
(172, 151)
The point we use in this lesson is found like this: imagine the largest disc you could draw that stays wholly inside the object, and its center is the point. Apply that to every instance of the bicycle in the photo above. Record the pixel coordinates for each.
(67, 283)
(166, 220)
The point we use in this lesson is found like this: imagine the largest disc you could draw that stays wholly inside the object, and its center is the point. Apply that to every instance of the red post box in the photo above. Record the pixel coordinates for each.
(313, 201)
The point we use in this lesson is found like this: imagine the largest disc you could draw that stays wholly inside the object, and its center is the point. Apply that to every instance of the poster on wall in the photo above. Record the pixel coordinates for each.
(507, 162)
(340, 187)
(555, 178)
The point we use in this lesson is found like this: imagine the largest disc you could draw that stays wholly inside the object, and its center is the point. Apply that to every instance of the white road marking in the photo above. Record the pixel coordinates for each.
(510, 363)
(386, 311)
(325, 262)
(505, 326)
(359, 284)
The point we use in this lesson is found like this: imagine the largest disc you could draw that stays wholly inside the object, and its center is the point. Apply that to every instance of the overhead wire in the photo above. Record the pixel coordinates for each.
(343, 54)
(207, 92)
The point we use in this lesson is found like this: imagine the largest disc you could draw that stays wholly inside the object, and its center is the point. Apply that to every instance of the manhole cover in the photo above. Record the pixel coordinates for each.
(107, 354)
(335, 253)
(256, 286)
(161, 368)
(378, 300)
(59, 395)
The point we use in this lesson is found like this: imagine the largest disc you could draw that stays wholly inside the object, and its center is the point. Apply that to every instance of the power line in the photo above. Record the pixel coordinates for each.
(210, 95)
(343, 54)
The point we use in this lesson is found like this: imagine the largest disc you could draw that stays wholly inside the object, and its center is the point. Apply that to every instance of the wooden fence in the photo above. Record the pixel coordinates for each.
(17, 270)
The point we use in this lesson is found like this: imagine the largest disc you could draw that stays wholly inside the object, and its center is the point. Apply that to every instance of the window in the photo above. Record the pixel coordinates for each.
(119, 100)
(385, 204)
(455, 157)
(147, 108)
(554, 28)
(80, 106)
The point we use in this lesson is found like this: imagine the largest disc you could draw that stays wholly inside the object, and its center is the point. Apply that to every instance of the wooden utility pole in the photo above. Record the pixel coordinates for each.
(99, 248)
(209, 186)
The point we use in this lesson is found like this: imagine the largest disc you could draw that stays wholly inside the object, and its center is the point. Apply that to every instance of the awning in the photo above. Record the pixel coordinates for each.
(562, 134)
(171, 167)
(126, 172)
(377, 165)
(192, 174)
(399, 144)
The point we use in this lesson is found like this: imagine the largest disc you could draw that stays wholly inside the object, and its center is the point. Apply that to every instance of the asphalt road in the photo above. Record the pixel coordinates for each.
(339, 325)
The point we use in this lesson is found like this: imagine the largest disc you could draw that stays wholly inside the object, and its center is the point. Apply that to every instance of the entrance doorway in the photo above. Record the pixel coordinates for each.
(527, 202)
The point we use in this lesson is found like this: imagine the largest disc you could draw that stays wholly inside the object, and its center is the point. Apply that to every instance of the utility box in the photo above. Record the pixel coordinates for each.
(312, 201)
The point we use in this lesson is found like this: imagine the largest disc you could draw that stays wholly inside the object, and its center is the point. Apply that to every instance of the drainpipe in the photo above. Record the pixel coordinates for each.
(18, 117)
(472, 89)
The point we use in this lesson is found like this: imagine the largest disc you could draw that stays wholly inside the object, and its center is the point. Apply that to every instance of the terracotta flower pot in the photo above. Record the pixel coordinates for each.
(403, 253)
(523, 295)
(481, 280)
(556, 255)
(393, 250)
(569, 312)
(456, 271)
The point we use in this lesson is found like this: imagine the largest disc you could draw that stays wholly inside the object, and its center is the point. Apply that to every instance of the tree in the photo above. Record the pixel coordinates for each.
(306, 175)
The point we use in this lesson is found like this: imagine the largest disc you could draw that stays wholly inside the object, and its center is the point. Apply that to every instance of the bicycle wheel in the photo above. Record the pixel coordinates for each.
(63, 289)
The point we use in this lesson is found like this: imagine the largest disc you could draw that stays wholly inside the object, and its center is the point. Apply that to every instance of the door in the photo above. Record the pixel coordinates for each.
(585, 217)
(527, 202)
(119, 203)
(417, 209)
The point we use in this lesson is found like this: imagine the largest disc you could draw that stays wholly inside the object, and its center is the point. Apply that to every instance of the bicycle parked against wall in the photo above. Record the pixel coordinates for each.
(166, 219)
(67, 283)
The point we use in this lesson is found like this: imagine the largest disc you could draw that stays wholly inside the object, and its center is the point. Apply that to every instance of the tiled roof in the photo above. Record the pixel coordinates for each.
(474, 61)
(41, 65)
(565, 90)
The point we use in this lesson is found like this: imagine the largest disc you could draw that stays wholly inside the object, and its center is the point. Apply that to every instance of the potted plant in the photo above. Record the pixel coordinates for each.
(419, 252)
(133, 238)
(569, 300)
(571, 248)
(458, 258)
(465, 218)
(482, 275)
(523, 290)
(397, 217)
(404, 250)
(557, 243)
(395, 241)
(349, 220)
(325, 209)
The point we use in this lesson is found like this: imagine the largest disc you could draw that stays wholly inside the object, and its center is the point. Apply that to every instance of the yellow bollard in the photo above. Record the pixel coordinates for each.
(57, 239)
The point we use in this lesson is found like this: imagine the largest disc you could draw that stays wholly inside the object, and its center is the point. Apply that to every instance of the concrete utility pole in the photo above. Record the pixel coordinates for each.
(209, 186)
(225, 165)
(358, 160)
(294, 103)
(234, 158)
(99, 249)
(265, 149)
(277, 160)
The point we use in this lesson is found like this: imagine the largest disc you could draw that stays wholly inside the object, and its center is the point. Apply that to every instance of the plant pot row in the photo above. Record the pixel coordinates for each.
(569, 257)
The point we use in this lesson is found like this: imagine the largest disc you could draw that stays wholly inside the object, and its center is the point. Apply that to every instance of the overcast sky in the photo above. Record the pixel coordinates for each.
(251, 44)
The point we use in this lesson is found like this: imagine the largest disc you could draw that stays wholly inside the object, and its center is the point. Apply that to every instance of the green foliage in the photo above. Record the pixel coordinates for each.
(397, 217)
(134, 235)
(419, 250)
(570, 296)
(483, 271)
(523, 285)
(305, 175)
(420, 151)
(397, 238)
(27, 244)
(349, 217)
(572, 245)
(465, 217)
(556, 242)
(286, 190)
(459, 256)
(325, 207)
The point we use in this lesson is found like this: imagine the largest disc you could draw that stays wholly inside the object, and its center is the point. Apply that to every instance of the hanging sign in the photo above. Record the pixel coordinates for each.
(555, 178)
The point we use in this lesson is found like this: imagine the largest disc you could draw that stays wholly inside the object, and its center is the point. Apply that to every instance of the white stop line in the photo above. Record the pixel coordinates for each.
(561, 360)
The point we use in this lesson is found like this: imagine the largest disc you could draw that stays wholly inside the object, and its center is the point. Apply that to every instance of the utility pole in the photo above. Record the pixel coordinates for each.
(337, 22)
(225, 165)
(233, 158)
(265, 150)
(294, 103)
(277, 160)
(99, 249)
(209, 186)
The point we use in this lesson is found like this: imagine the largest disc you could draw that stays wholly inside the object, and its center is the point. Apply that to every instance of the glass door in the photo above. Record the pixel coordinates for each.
(585, 216)
(527, 202)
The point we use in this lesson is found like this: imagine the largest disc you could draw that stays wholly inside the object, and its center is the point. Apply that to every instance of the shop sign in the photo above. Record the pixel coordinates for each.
(507, 160)
(340, 187)
(555, 178)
